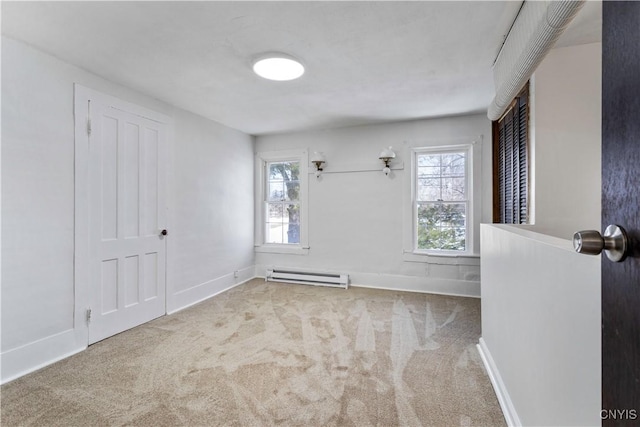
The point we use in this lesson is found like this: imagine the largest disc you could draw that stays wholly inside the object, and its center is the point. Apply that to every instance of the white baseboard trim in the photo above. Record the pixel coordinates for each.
(36, 355)
(191, 296)
(508, 410)
(397, 282)
(33, 356)
(428, 285)
(30, 357)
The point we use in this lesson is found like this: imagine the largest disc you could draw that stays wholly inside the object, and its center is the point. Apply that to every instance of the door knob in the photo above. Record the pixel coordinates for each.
(615, 242)
(164, 232)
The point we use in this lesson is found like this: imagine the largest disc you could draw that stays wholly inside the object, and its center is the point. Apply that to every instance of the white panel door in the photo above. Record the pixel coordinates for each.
(127, 213)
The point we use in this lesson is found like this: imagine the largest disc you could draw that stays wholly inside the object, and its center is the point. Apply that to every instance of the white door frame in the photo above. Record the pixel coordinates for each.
(82, 96)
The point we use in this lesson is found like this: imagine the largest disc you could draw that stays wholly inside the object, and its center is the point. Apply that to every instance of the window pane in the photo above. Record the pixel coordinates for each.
(275, 212)
(292, 190)
(453, 189)
(292, 213)
(274, 232)
(429, 182)
(442, 226)
(276, 190)
(428, 172)
(293, 170)
(453, 164)
(429, 189)
(283, 223)
(276, 172)
(284, 171)
(292, 218)
(431, 160)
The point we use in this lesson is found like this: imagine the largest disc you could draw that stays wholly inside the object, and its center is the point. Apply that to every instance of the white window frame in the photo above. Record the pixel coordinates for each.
(415, 254)
(261, 176)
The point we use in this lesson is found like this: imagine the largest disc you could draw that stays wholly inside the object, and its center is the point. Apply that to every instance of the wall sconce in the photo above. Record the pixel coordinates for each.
(386, 155)
(318, 160)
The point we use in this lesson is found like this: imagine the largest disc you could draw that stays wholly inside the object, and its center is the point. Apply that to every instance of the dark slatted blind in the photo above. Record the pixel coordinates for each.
(511, 187)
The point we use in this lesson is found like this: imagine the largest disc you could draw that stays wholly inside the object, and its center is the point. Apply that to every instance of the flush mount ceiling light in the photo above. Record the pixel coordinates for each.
(278, 66)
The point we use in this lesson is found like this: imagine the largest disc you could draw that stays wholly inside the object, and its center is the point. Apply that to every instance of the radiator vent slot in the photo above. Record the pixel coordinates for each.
(308, 278)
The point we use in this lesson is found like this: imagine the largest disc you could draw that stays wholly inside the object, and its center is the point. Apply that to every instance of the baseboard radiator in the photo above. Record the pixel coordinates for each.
(308, 278)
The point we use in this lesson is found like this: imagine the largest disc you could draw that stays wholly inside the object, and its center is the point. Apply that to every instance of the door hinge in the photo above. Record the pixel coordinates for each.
(89, 127)
(88, 315)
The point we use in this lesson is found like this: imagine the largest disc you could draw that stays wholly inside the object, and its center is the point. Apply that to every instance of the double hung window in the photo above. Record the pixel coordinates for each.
(442, 199)
(281, 202)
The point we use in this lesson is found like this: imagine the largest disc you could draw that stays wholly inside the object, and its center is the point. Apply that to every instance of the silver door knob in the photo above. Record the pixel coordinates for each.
(615, 242)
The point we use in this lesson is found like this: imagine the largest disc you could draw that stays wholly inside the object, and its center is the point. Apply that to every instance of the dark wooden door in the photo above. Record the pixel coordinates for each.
(621, 205)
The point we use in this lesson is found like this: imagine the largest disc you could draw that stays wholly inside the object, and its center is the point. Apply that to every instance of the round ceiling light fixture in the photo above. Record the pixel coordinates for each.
(278, 66)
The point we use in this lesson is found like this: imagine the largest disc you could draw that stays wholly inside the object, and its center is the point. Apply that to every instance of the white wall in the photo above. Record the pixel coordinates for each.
(358, 218)
(213, 209)
(541, 300)
(211, 181)
(566, 140)
(541, 327)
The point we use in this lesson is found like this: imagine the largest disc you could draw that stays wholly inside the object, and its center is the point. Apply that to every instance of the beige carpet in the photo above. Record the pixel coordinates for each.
(267, 354)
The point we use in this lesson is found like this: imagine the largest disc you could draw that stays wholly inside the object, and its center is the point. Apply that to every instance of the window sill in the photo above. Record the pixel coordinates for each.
(281, 249)
(444, 258)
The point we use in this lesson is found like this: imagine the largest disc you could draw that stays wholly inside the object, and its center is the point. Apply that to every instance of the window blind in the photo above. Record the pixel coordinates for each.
(511, 163)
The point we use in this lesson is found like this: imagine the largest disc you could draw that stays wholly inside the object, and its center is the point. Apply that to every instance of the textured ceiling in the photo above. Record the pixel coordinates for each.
(366, 61)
